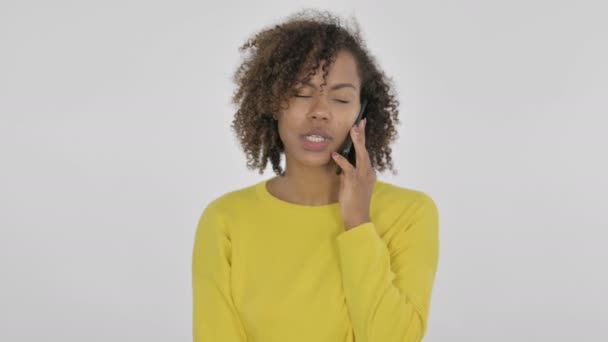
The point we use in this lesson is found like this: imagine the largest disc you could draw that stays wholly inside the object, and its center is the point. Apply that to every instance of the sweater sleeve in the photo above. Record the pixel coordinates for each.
(388, 285)
(215, 317)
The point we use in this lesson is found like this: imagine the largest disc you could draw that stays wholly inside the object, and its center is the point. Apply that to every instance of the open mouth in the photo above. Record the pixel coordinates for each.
(314, 143)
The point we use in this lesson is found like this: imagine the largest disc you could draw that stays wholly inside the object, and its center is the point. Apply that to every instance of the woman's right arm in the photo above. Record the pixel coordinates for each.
(214, 314)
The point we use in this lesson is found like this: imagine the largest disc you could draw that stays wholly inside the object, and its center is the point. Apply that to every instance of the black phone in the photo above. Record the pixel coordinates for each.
(348, 150)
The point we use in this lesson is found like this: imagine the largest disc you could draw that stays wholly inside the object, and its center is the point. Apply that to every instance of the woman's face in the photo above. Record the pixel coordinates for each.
(332, 109)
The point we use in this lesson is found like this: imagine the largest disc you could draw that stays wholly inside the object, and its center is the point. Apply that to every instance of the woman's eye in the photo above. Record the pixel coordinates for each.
(308, 96)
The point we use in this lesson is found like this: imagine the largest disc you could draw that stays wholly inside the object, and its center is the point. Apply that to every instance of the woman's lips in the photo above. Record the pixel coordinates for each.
(314, 146)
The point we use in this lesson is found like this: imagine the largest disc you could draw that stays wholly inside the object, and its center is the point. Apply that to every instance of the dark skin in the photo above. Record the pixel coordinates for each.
(310, 177)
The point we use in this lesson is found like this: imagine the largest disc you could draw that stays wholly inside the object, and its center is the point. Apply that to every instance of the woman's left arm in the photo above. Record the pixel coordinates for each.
(388, 291)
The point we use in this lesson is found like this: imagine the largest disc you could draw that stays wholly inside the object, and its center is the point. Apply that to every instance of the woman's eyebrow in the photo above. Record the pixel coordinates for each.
(334, 87)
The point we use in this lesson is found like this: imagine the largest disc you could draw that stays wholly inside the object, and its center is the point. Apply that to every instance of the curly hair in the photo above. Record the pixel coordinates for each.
(266, 78)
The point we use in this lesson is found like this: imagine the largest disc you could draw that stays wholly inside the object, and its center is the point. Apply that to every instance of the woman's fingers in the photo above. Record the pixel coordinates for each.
(358, 136)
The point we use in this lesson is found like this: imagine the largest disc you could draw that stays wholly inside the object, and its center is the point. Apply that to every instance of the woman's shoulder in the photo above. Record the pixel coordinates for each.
(233, 200)
(388, 192)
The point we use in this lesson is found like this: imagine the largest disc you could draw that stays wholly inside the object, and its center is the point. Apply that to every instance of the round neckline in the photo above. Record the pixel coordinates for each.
(262, 190)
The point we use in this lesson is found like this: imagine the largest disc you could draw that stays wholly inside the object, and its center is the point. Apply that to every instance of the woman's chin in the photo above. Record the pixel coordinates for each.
(317, 159)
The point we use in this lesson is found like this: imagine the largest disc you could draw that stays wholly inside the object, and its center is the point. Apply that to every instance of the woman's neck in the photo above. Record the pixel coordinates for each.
(306, 189)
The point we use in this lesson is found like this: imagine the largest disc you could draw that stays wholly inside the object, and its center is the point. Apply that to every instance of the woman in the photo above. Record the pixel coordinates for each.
(310, 255)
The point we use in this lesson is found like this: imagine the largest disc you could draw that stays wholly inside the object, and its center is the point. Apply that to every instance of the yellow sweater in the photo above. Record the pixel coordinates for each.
(267, 270)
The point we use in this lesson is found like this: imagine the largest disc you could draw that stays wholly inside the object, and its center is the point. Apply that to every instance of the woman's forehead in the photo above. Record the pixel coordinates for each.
(342, 71)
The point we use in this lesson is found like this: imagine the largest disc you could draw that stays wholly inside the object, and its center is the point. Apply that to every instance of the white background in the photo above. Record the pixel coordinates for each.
(115, 135)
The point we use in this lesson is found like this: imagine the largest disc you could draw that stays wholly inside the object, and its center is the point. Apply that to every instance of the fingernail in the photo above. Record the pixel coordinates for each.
(334, 154)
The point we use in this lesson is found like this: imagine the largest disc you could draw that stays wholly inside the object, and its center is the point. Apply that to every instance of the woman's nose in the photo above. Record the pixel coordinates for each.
(320, 107)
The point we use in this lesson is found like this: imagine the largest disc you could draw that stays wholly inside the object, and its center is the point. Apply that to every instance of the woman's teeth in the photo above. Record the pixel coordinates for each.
(315, 138)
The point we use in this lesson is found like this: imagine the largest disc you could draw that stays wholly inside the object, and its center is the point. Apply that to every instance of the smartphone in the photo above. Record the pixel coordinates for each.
(348, 150)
